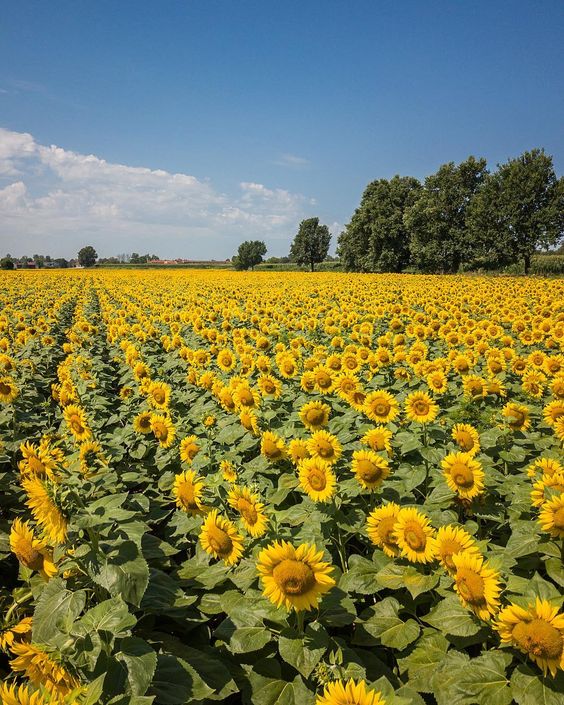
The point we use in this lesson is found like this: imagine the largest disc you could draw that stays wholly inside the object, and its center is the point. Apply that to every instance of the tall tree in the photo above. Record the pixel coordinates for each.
(376, 239)
(311, 244)
(519, 209)
(436, 222)
(249, 254)
(87, 256)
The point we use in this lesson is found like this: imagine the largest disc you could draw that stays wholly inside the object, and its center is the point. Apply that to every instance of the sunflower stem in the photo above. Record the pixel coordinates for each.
(16, 604)
(300, 616)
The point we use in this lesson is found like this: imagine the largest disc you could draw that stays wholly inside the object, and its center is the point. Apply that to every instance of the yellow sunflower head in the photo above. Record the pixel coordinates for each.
(250, 508)
(295, 578)
(314, 415)
(451, 540)
(380, 527)
(21, 631)
(349, 693)
(228, 471)
(369, 468)
(188, 490)
(220, 539)
(466, 438)
(414, 536)
(326, 446)
(297, 450)
(380, 406)
(378, 439)
(142, 422)
(272, 447)
(44, 509)
(555, 483)
(189, 448)
(9, 391)
(163, 430)
(537, 631)
(75, 418)
(463, 475)
(419, 407)
(317, 479)
(42, 669)
(30, 551)
(517, 416)
(551, 517)
(477, 584)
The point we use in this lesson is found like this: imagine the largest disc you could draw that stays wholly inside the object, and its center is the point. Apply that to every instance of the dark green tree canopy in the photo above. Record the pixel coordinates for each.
(376, 239)
(250, 253)
(520, 208)
(87, 256)
(311, 244)
(7, 263)
(437, 220)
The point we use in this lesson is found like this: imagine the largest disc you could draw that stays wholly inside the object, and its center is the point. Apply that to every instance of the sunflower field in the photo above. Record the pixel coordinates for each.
(294, 489)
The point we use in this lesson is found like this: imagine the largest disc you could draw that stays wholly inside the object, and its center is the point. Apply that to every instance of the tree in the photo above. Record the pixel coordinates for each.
(6, 263)
(250, 254)
(436, 222)
(519, 209)
(87, 256)
(311, 243)
(376, 239)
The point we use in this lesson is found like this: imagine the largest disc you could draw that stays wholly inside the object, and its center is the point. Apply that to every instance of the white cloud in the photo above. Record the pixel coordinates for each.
(292, 160)
(53, 200)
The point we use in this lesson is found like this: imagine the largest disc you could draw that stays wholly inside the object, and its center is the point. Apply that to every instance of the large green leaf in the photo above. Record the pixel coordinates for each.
(450, 617)
(56, 610)
(361, 576)
(422, 663)
(530, 687)
(111, 615)
(396, 576)
(303, 651)
(385, 626)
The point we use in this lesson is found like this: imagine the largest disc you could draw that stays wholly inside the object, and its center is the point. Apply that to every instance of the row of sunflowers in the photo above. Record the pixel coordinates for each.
(308, 490)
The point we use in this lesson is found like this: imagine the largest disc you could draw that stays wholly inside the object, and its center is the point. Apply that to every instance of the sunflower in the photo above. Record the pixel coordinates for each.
(294, 577)
(189, 448)
(225, 359)
(547, 466)
(158, 395)
(451, 540)
(42, 669)
(551, 517)
(380, 527)
(324, 379)
(272, 447)
(414, 536)
(477, 584)
(44, 510)
(474, 386)
(369, 468)
(228, 471)
(17, 632)
(317, 479)
(380, 406)
(163, 430)
(466, 438)
(90, 453)
(297, 450)
(463, 475)
(220, 539)
(553, 411)
(245, 397)
(249, 421)
(22, 695)
(8, 390)
(350, 693)
(537, 631)
(250, 508)
(31, 552)
(269, 386)
(421, 408)
(75, 417)
(187, 491)
(437, 382)
(40, 460)
(142, 422)
(326, 446)
(554, 482)
(559, 429)
(314, 415)
(378, 439)
(517, 416)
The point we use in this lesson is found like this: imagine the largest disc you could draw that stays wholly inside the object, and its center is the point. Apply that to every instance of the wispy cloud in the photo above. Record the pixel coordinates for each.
(292, 160)
(52, 200)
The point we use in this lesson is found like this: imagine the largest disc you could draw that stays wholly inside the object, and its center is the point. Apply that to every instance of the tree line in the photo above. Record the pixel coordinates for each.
(461, 217)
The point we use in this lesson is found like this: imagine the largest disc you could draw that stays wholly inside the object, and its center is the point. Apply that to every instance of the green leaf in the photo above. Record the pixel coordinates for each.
(111, 616)
(247, 639)
(383, 624)
(56, 610)
(396, 576)
(530, 687)
(303, 651)
(124, 573)
(422, 662)
(485, 681)
(336, 609)
(140, 661)
(450, 617)
(361, 576)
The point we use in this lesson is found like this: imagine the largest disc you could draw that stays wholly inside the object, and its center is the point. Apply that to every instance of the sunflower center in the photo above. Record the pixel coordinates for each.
(29, 556)
(246, 398)
(271, 449)
(248, 511)
(187, 496)
(369, 471)
(159, 396)
(465, 440)
(317, 480)
(470, 586)
(421, 408)
(315, 417)
(462, 475)
(415, 537)
(381, 408)
(5, 388)
(323, 380)
(539, 638)
(145, 422)
(35, 465)
(76, 426)
(517, 418)
(325, 449)
(220, 541)
(161, 431)
(294, 577)
(386, 530)
(447, 549)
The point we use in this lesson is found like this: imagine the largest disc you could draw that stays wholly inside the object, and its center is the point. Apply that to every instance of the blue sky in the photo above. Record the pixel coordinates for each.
(184, 127)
